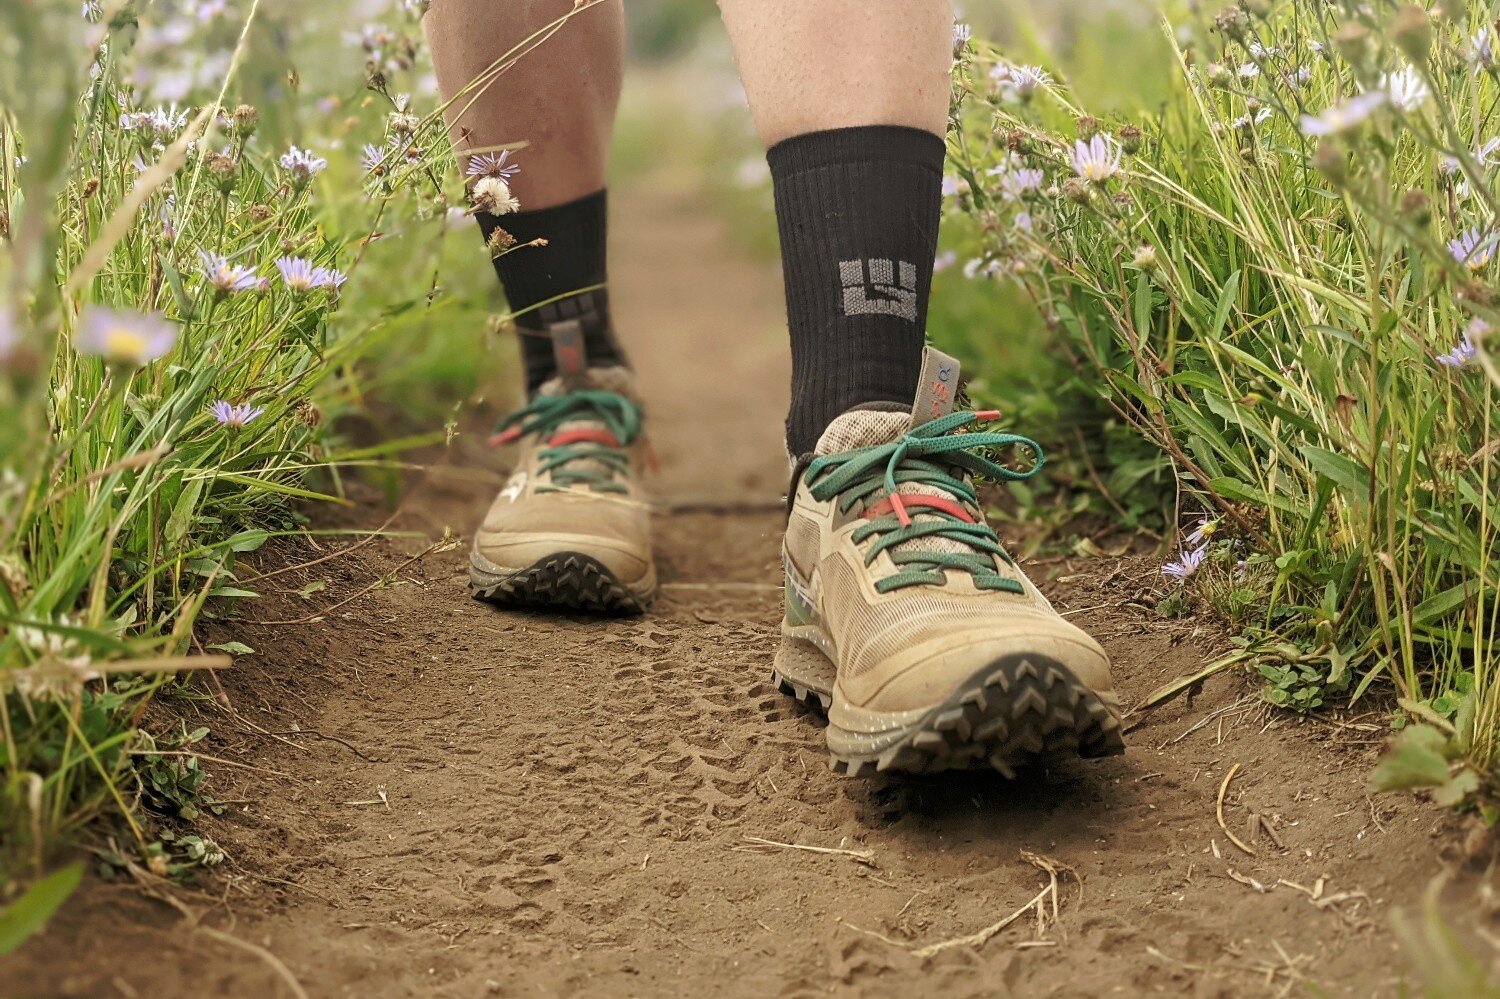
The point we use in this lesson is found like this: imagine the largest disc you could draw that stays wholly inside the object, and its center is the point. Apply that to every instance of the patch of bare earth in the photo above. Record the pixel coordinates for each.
(459, 801)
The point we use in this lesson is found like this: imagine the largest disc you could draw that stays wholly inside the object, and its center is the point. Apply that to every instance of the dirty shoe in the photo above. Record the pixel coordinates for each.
(571, 530)
(906, 619)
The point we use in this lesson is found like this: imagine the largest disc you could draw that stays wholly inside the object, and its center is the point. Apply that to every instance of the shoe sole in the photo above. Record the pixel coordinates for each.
(560, 581)
(1017, 710)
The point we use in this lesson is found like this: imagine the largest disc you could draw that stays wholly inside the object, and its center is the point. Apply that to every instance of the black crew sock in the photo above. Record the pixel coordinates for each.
(858, 212)
(572, 259)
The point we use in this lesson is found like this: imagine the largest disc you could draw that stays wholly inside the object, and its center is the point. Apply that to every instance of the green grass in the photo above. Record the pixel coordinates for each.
(1269, 316)
(125, 506)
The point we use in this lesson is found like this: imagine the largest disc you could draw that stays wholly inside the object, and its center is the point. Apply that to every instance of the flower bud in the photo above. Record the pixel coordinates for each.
(1130, 139)
(245, 119)
(500, 241)
(1216, 73)
(1233, 22)
(1076, 191)
(1417, 208)
(1017, 141)
(1352, 41)
(1331, 163)
(1088, 127)
(1259, 8)
(1145, 257)
(1413, 33)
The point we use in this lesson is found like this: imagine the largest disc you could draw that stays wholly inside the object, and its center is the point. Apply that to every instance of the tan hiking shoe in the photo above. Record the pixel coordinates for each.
(906, 619)
(571, 530)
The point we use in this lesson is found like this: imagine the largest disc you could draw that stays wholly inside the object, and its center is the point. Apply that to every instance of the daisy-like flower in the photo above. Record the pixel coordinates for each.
(226, 276)
(1096, 160)
(300, 274)
(1474, 247)
(492, 165)
(162, 121)
(302, 164)
(1203, 531)
(492, 194)
(234, 417)
(372, 158)
(1018, 83)
(125, 339)
(1482, 156)
(1301, 77)
(1017, 182)
(1261, 52)
(1249, 71)
(1244, 121)
(1459, 355)
(1185, 564)
(1467, 347)
(961, 35)
(954, 186)
(1482, 50)
(1344, 116)
(1145, 257)
(1406, 89)
(940, 263)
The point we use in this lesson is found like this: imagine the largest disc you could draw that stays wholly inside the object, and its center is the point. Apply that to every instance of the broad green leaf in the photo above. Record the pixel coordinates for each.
(29, 913)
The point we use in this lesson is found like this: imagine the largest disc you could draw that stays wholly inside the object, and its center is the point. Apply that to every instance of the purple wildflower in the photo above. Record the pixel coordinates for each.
(302, 164)
(234, 417)
(1466, 349)
(126, 339)
(492, 165)
(1204, 530)
(961, 35)
(1474, 247)
(1344, 116)
(226, 276)
(1096, 160)
(1017, 182)
(300, 274)
(1186, 564)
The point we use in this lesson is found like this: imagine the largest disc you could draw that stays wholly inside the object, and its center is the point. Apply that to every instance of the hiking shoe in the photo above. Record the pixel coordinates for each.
(571, 530)
(908, 622)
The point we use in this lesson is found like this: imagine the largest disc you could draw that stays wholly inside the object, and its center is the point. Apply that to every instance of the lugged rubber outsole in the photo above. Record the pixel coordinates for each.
(1018, 710)
(560, 581)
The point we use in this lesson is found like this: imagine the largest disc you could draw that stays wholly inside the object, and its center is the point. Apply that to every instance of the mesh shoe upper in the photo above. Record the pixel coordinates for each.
(919, 583)
(575, 483)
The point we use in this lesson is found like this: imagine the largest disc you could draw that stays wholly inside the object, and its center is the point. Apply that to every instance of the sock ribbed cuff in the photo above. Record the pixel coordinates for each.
(858, 211)
(573, 259)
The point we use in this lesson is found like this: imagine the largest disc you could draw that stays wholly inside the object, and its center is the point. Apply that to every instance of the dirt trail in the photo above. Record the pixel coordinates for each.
(524, 805)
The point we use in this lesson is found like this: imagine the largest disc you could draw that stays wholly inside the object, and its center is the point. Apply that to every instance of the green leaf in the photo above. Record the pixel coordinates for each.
(183, 510)
(234, 648)
(1417, 759)
(29, 913)
(247, 541)
(1351, 476)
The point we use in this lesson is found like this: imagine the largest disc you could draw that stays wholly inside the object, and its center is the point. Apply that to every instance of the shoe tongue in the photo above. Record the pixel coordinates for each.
(864, 426)
(882, 423)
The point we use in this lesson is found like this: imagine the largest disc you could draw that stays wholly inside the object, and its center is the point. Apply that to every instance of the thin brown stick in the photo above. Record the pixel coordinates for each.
(1219, 811)
(324, 612)
(982, 936)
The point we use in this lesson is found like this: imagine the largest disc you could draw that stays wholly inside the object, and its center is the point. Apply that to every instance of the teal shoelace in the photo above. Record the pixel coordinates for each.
(581, 457)
(931, 455)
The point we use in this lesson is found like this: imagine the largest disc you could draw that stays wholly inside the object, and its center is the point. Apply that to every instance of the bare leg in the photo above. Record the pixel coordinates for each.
(560, 98)
(811, 65)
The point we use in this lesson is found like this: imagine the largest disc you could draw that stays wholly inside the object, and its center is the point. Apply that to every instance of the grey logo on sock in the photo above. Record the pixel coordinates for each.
(879, 287)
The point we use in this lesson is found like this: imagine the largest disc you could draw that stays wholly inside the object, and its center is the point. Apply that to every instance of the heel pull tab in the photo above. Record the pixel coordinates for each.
(568, 353)
(937, 388)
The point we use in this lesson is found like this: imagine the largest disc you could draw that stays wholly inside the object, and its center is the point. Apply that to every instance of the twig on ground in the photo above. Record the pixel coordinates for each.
(211, 759)
(324, 612)
(979, 938)
(866, 857)
(321, 735)
(1219, 811)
